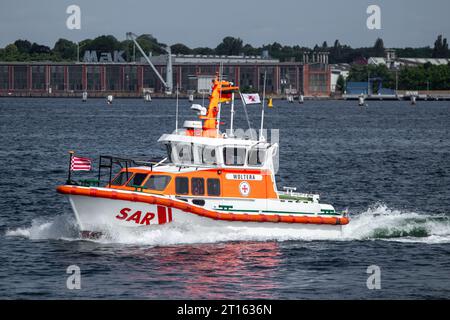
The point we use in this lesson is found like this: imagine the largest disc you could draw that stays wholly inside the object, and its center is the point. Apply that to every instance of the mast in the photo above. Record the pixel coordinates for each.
(232, 114)
(219, 106)
(262, 110)
(176, 114)
(221, 92)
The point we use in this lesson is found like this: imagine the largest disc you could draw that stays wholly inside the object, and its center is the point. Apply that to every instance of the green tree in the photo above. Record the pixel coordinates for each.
(150, 44)
(11, 53)
(102, 44)
(203, 50)
(180, 48)
(340, 83)
(230, 46)
(39, 49)
(248, 50)
(378, 48)
(440, 48)
(24, 46)
(65, 49)
(361, 73)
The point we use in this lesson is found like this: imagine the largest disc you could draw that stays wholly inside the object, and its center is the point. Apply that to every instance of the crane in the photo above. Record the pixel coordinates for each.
(168, 83)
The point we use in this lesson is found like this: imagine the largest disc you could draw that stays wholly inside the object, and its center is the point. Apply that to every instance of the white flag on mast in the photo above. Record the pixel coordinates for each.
(251, 98)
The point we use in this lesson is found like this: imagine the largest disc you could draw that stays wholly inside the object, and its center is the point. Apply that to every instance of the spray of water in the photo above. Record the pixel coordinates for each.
(377, 222)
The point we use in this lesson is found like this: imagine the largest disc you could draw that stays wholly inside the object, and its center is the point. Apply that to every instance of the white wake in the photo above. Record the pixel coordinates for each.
(377, 222)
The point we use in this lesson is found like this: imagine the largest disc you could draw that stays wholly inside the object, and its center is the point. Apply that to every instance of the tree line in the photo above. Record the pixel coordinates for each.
(66, 50)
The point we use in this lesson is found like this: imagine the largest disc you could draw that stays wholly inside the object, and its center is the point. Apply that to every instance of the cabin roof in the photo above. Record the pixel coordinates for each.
(210, 141)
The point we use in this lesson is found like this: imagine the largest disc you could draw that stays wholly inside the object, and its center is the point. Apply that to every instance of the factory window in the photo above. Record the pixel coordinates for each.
(4, 77)
(113, 78)
(57, 78)
(181, 185)
(75, 78)
(38, 77)
(93, 78)
(20, 77)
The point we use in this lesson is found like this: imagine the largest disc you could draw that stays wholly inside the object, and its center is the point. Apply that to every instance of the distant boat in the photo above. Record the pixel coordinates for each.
(147, 97)
(191, 97)
(109, 99)
(301, 99)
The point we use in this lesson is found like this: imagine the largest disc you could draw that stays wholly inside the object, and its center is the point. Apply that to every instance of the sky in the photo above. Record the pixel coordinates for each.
(204, 23)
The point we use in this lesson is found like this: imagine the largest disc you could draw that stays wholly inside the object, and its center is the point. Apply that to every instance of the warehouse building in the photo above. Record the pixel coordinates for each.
(192, 73)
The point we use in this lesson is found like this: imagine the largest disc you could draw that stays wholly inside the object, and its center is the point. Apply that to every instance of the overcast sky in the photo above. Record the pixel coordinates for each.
(205, 22)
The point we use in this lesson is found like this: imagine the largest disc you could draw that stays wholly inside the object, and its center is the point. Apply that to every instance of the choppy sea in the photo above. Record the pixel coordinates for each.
(388, 163)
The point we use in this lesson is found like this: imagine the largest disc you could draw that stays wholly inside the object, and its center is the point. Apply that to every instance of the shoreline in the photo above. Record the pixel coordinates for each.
(103, 95)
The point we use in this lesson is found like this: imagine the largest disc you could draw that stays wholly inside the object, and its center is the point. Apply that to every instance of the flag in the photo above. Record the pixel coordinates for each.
(80, 164)
(251, 98)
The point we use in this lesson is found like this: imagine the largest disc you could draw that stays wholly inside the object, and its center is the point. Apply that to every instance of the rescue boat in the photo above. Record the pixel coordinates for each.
(207, 177)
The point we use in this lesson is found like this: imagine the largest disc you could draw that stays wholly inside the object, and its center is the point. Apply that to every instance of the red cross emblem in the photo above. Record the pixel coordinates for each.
(244, 188)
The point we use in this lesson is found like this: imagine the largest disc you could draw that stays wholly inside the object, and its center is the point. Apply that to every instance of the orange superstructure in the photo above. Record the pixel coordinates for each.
(221, 92)
(263, 188)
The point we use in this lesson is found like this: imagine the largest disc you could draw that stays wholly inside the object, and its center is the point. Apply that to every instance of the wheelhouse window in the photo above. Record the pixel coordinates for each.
(208, 155)
(181, 185)
(213, 187)
(198, 186)
(157, 182)
(120, 179)
(183, 152)
(169, 152)
(137, 180)
(256, 157)
(234, 156)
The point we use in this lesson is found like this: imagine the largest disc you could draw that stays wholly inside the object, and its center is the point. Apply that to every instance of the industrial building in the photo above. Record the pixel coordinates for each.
(191, 73)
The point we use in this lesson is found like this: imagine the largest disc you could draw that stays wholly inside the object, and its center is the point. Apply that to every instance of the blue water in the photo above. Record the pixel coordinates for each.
(388, 163)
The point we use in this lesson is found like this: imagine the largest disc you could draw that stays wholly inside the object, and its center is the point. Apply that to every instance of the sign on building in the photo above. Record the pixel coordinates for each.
(92, 56)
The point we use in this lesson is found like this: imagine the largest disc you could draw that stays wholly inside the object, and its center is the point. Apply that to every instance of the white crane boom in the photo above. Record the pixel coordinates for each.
(168, 84)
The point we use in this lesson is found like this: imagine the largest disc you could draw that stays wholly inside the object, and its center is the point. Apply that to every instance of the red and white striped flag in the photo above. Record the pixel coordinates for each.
(81, 164)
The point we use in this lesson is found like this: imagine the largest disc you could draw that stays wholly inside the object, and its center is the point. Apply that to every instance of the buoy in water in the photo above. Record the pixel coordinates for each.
(270, 104)
(147, 97)
(413, 100)
(84, 96)
(191, 98)
(301, 99)
(109, 99)
(361, 101)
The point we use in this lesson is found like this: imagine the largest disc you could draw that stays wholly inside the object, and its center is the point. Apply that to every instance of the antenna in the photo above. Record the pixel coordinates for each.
(232, 114)
(176, 114)
(262, 111)
(220, 97)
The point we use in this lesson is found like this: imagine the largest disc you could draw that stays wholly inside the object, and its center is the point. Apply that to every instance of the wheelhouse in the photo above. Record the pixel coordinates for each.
(224, 152)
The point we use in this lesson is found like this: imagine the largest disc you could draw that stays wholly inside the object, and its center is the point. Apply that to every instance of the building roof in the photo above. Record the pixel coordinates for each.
(409, 61)
(212, 59)
(433, 61)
